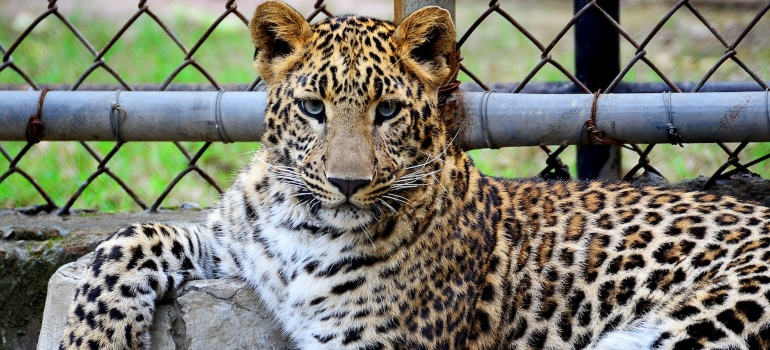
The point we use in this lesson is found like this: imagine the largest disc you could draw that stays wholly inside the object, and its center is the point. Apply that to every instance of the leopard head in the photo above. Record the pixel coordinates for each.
(352, 120)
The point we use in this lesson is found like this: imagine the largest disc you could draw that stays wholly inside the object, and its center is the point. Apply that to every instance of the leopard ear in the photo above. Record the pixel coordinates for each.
(426, 38)
(279, 34)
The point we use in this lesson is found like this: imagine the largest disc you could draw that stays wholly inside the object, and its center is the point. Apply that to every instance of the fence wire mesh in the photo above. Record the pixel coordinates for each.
(548, 66)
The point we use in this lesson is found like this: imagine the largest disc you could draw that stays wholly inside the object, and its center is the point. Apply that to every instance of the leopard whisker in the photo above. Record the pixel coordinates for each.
(413, 177)
(403, 187)
(367, 233)
(391, 197)
(241, 154)
(292, 181)
(300, 194)
(436, 181)
(379, 209)
(388, 205)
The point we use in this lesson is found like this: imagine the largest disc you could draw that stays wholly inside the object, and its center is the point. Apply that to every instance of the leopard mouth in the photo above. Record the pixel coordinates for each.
(347, 206)
(346, 216)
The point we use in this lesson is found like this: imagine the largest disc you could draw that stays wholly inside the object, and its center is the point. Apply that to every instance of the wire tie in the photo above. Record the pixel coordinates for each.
(598, 134)
(483, 107)
(451, 84)
(590, 124)
(671, 131)
(218, 119)
(116, 114)
(767, 105)
(35, 125)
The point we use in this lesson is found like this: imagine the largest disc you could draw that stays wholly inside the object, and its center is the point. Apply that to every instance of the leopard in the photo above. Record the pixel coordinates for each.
(361, 223)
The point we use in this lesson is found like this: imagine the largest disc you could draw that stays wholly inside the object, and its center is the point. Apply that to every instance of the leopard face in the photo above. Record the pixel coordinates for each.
(350, 125)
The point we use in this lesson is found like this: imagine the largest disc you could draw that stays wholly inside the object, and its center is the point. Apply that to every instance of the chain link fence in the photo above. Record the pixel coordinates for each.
(549, 71)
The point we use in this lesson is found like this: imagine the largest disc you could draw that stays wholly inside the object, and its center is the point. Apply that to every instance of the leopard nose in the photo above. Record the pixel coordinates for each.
(348, 187)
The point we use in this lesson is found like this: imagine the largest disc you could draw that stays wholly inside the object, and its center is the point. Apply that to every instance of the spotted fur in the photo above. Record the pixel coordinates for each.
(363, 230)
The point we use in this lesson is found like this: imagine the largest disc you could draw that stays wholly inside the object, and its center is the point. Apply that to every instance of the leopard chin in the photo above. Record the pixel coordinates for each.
(346, 216)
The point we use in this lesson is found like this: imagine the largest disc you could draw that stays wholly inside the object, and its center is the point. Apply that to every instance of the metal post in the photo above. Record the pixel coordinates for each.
(403, 8)
(597, 63)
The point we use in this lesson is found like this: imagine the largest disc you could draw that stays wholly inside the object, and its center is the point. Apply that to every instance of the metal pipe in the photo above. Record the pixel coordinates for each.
(149, 116)
(511, 119)
(529, 120)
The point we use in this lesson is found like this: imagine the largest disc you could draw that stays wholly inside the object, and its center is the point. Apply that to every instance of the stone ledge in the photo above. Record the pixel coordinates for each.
(33, 244)
(203, 314)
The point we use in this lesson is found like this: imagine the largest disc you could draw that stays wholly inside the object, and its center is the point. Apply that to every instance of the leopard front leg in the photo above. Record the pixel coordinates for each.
(114, 304)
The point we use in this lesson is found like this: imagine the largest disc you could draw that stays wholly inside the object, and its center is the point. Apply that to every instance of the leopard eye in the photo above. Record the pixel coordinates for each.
(386, 110)
(314, 108)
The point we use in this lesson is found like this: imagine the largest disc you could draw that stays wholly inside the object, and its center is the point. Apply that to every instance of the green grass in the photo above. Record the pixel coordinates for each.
(499, 52)
(61, 167)
(496, 52)
(144, 54)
